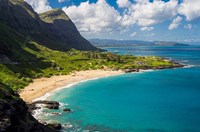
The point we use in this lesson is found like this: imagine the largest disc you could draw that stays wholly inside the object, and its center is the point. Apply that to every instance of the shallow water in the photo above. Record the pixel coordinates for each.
(163, 100)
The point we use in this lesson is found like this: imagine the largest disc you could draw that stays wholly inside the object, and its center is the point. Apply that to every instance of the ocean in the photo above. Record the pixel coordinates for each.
(150, 101)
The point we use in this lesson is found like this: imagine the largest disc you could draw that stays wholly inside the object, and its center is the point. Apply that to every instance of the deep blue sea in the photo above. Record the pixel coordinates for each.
(152, 101)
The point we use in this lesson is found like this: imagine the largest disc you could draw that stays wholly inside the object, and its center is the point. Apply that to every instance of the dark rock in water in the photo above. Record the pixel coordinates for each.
(67, 110)
(52, 107)
(131, 70)
(56, 126)
(32, 107)
(48, 104)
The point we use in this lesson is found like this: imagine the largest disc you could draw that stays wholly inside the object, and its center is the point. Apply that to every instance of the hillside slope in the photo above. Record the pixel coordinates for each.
(53, 29)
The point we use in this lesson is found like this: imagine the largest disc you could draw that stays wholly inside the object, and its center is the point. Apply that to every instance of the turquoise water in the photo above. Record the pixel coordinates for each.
(153, 101)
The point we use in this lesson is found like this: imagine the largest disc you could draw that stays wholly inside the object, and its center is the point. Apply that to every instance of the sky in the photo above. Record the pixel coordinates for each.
(149, 20)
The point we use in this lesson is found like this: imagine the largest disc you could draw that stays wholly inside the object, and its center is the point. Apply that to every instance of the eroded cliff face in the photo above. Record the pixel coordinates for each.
(14, 114)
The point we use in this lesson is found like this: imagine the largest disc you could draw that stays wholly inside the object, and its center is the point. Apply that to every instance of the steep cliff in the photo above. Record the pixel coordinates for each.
(53, 29)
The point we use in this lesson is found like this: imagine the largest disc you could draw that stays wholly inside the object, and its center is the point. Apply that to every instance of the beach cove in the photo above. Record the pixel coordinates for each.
(43, 86)
(157, 100)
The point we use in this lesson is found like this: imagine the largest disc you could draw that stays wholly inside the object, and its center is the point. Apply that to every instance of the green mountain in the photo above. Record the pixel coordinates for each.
(52, 29)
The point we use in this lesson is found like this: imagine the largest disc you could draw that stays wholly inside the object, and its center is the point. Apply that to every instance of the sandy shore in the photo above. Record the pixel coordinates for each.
(41, 86)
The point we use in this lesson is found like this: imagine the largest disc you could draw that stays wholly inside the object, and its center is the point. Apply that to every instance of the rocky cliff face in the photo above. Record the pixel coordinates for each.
(60, 26)
(14, 114)
(53, 29)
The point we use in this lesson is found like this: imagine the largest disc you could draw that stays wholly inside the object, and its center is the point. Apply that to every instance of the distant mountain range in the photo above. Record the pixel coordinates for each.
(53, 29)
(118, 43)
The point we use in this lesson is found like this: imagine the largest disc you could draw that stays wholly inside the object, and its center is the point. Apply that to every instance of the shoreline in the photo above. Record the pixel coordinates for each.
(42, 88)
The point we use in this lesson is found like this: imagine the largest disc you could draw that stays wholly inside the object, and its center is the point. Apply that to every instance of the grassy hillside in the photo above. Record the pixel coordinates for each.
(27, 41)
(30, 60)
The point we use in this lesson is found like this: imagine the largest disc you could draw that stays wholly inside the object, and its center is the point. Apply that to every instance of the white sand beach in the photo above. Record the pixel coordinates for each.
(41, 86)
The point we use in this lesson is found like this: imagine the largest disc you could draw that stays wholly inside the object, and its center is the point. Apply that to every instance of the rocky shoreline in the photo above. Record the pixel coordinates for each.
(53, 105)
(16, 117)
(176, 65)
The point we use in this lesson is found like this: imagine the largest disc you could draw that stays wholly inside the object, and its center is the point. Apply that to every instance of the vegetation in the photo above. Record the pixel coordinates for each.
(27, 53)
(49, 62)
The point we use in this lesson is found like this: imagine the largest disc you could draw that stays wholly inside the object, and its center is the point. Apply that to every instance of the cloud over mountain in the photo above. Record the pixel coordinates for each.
(40, 6)
(102, 17)
(95, 17)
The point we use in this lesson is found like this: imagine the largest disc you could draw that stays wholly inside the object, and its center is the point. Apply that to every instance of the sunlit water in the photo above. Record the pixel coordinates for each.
(153, 101)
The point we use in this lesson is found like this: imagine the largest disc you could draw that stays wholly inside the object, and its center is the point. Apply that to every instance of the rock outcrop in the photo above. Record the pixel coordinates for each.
(67, 110)
(14, 114)
(56, 126)
(131, 70)
(48, 104)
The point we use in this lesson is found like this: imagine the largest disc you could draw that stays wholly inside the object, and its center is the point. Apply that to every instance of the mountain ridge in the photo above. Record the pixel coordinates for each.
(115, 43)
(53, 14)
(59, 34)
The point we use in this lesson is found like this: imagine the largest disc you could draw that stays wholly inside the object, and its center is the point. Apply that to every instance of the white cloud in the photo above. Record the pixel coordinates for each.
(175, 23)
(101, 17)
(123, 3)
(95, 17)
(190, 8)
(39, 6)
(189, 26)
(60, 1)
(147, 13)
(133, 34)
(146, 28)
